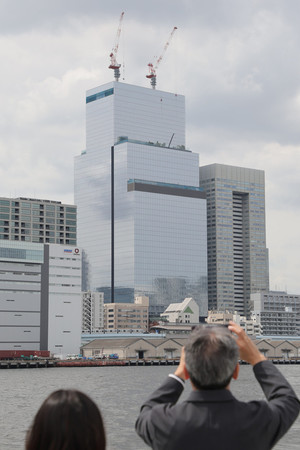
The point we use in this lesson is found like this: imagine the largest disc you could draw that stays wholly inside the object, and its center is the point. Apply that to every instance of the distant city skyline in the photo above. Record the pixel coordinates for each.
(236, 63)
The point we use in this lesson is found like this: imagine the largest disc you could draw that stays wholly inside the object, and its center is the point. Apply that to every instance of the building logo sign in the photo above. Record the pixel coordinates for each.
(75, 251)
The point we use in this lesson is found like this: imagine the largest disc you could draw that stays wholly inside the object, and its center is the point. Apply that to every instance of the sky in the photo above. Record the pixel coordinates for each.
(237, 62)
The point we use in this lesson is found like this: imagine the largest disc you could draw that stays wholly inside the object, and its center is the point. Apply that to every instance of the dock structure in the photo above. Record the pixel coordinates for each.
(19, 364)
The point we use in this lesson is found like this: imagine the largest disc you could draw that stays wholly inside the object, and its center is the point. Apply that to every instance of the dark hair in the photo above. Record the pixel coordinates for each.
(67, 420)
(211, 356)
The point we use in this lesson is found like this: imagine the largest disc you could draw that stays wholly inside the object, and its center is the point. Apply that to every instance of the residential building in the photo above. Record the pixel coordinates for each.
(184, 312)
(236, 236)
(92, 312)
(124, 316)
(278, 312)
(40, 297)
(141, 212)
(35, 220)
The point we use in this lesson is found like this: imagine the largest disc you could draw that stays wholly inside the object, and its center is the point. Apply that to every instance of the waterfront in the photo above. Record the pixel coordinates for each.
(118, 391)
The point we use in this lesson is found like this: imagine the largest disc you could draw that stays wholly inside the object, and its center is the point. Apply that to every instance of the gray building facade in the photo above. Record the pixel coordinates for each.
(278, 312)
(40, 297)
(236, 236)
(35, 220)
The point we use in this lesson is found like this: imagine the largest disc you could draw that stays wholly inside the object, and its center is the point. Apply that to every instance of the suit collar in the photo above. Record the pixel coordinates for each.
(216, 395)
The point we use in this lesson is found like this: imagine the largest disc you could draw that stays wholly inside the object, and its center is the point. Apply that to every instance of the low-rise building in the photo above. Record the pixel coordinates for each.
(184, 312)
(219, 317)
(170, 348)
(252, 326)
(278, 312)
(127, 315)
(130, 348)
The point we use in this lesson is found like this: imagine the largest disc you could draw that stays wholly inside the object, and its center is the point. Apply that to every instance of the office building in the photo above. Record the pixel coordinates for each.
(34, 220)
(92, 312)
(40, 297)
(141, 212)
(65, 299)
(236, 236)
(278, 313)
(127, 316)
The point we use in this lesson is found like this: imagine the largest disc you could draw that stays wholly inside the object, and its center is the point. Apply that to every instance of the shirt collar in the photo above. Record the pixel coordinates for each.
(215, 395)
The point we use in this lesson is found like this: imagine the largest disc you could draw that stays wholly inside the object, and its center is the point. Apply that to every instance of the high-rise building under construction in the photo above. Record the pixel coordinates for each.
(141, 212)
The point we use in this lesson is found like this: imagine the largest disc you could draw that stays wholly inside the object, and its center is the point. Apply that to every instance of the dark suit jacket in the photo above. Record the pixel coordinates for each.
(215, 419)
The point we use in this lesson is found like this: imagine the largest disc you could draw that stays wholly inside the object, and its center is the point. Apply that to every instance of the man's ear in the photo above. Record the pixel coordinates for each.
(186, 374)
(236, 372)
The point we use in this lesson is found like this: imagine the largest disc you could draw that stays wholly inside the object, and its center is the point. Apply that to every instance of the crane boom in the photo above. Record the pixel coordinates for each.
(113, 55)
(152, 68)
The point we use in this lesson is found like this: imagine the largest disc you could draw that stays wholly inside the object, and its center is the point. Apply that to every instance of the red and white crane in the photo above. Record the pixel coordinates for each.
(152, 68)
(113, 56)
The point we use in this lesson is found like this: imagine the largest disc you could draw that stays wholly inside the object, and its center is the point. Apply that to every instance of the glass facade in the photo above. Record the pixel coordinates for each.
(139, 200)
(236, 236)
(25, 252)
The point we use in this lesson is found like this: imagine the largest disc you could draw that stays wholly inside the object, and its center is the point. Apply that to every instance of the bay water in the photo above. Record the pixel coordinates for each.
(119, 393)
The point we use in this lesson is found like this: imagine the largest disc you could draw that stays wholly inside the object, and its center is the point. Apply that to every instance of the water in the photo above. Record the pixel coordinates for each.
(119, 393)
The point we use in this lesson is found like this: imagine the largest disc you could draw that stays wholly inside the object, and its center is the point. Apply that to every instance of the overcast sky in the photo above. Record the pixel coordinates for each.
(236, 61)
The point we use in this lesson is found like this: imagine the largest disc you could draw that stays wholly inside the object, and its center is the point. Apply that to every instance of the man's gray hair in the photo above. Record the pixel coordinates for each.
(211, 356)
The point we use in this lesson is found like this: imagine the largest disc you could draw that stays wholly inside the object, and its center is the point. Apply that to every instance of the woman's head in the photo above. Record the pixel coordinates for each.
(67, 420)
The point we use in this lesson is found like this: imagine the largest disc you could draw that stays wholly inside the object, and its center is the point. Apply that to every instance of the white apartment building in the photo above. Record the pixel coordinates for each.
(92, 312)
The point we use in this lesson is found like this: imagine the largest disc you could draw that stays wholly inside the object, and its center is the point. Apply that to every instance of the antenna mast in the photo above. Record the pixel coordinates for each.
(113, 55)
(152, 68)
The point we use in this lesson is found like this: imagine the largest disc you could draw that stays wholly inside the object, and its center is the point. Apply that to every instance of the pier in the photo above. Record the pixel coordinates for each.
(48, 363)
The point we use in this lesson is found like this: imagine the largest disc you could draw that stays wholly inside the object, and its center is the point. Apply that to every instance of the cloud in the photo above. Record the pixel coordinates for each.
(236, 62)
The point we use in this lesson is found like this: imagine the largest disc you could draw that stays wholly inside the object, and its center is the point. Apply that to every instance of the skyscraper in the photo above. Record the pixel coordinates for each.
(141, 212)
(236, 236)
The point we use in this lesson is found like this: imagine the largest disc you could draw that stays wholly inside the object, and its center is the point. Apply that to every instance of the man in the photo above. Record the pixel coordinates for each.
(212, 418)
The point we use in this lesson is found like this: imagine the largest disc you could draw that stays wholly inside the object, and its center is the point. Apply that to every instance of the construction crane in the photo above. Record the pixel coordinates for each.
(113, 56)
(152, 68)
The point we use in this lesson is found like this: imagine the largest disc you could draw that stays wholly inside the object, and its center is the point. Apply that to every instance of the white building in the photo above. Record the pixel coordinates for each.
(65, 300)
(184, 312)
(92, 312)
(278, 312)
(251, 326)
(40, 297)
